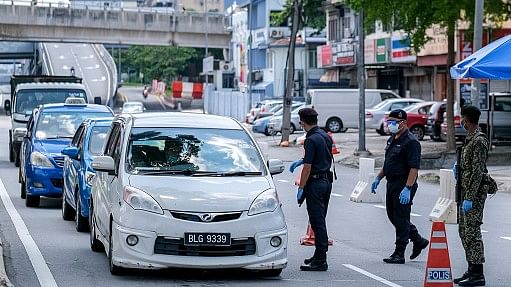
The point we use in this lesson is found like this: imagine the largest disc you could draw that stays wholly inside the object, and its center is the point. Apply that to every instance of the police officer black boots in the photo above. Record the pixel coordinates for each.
(398, 257)
(418, 246)
(475, 277)
(315, 265)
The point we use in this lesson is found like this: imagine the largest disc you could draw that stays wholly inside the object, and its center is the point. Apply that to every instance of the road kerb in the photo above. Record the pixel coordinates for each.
(4, 280)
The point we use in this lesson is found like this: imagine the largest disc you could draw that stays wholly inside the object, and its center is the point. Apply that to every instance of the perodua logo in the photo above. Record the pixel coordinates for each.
(206, 217)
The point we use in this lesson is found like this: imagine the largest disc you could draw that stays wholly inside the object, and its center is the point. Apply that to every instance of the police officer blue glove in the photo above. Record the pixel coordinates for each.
(404, 197)
(467, 205)
(295, 164)
(375, 184)
(455, 170)
(300, 196)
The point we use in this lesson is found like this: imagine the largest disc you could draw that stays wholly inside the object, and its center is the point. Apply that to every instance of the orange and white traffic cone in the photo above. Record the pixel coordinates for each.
(309, 239)
(438, 268)
(334, 146)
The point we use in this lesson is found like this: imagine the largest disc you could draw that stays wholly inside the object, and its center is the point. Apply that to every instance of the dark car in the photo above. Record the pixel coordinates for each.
(435, 120)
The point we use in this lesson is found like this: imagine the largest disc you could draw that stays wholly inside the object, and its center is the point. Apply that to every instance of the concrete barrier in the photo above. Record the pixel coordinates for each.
(366, 175)
(445, 208)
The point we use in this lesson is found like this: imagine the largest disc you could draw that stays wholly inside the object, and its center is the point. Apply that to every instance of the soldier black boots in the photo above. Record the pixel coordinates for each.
(473, 277)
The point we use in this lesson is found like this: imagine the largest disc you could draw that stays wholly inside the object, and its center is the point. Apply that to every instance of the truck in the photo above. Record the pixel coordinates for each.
(27, 93)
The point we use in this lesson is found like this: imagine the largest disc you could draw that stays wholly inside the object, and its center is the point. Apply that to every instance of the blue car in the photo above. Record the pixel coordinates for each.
(50, 129)
(261, 126)
(78, 172)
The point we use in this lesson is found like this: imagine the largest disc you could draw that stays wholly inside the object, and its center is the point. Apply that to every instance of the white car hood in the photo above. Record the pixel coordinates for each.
(202, 194)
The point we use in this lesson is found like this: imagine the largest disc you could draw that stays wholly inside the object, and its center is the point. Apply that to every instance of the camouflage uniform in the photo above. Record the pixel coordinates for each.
(473, 168)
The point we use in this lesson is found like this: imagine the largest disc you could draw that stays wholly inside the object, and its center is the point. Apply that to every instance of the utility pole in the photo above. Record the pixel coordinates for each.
(361, 151)
(475, 91)
(249, 75)
(286, 112)
(207, 27)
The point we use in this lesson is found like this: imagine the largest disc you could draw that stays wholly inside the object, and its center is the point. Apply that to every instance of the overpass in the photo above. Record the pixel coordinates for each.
(112, 26)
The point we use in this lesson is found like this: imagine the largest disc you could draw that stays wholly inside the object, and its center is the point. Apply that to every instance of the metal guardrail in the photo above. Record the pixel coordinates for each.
(110, 63)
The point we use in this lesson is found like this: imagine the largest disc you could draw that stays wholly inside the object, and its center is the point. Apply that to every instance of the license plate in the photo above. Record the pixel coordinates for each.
(210, 239)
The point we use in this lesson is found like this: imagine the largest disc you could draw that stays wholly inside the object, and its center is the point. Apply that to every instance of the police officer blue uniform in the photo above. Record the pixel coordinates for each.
(315, 185)
(402, 162)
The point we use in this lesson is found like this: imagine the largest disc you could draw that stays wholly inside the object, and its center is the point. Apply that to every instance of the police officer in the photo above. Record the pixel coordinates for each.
(401, 166)
(473, 193)
(315, 185)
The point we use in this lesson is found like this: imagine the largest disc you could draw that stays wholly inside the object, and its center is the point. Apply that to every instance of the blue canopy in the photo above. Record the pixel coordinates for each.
(491, 62)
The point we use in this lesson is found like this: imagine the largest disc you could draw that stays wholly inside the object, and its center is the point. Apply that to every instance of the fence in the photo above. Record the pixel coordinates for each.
(226, 103)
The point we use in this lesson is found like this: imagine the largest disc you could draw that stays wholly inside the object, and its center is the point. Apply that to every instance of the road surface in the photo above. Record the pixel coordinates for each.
(361, 232)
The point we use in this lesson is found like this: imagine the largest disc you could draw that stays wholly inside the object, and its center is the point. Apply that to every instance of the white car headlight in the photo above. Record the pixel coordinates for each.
(267, 201)
(89, 176)
(140, 200)
(39, 159)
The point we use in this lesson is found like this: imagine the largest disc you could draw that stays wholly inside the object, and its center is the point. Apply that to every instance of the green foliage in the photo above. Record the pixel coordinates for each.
(415, 16)
(312, 14)
(159, 62)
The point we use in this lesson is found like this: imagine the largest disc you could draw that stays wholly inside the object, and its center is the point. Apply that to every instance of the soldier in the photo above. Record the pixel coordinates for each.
(315, 185)
(401, 167)
(473, 196)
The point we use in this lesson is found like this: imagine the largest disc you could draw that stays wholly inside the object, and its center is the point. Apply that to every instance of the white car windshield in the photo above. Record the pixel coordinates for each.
(192, 149)
(54, 125)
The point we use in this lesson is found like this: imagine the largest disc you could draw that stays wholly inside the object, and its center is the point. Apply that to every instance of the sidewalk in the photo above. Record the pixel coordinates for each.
(499, 173)
(431, 163)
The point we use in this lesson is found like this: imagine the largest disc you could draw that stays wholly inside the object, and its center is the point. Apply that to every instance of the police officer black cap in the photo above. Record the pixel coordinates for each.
(398, 114)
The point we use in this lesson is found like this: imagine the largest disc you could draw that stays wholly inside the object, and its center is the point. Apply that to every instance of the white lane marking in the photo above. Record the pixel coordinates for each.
(34, 254)
(415, 215)
(61, 57)
(506, 238)
(337, 195)
(92, 67)
(484, 231)
(65, 67)
(99, 80)
(370, 275)
(379, 206)
(283, 180)
(87, 57)
(55, 45)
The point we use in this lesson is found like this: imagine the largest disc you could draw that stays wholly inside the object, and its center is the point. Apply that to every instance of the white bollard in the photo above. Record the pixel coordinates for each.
(445, 207)
(362, 191)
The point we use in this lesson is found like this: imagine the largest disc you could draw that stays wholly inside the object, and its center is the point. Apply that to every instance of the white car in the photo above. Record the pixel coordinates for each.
(186, 190)
(133, 107)
(375, 116)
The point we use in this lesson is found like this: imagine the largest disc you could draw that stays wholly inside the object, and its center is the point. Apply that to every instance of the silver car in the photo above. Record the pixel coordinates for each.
(275, 125)
(376, 114)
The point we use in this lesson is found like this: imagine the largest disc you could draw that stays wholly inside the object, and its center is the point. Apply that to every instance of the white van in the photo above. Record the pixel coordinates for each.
(338, 108)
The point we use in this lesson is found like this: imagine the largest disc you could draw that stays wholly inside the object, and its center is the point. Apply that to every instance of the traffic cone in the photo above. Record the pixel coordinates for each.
(438, 268)
(284, 144)
(308, 239)
(334, 147)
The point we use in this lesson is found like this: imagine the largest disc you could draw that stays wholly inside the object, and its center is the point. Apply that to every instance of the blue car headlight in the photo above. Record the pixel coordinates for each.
(39, 159)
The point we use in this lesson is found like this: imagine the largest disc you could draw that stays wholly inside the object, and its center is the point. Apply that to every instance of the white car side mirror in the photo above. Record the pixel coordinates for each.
(104, 163)
(276, 166)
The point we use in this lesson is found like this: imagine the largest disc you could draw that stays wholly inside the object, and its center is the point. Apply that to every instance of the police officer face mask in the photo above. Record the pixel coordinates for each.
(393, 126)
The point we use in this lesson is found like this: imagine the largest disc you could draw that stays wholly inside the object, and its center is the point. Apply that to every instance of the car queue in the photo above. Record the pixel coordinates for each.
(150, 187)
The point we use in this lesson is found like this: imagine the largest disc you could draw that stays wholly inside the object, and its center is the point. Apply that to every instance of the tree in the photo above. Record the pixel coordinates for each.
(160, 62)
(416, 16)
(302, 13)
